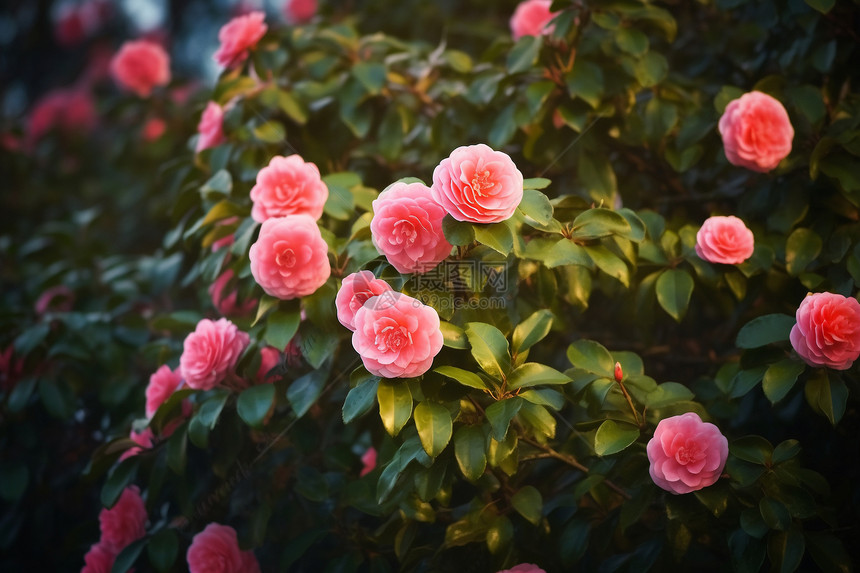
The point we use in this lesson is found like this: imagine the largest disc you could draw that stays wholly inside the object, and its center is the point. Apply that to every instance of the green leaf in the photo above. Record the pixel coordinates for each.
(489, 348)
(162, 549)
(434, 425)
(785, 451)
(524, 54)
(453, 336)
(674, 289)
(612, 437)
(497, 236)
(395, 404)
(599, 222)
(537, 206)
(651, 69)
(128, 556)
(270, 132)
(470, 449)
(609, 263)
(754, 449)
(500, 534)
(780, 378)
(464, 377)
(458, 233)
(120, 477)
(536, 183)
(267, 303)
(13, 481)
(529, 503)
(220, 183)
(500, 414)
(177, 450)
(592, 357)
(726, 95)
(785, 550)
(827, 394)
(371, 75)
(774, 513)
(532, 330)
(360, 399)
(535, 374)
(305, 390)
(585, 81)
(823, 6)
(765, 330)
(632, 41)
(801, 248)
(666, 394)
(565, 252)
(254, 403)
(281, 327)
(828, 552)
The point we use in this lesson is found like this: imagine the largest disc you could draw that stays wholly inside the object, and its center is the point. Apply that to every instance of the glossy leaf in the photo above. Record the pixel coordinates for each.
(254, 403)
(470, 449)
(489, 348)
(434, 425)
(395, 404)
(613, 437)
(674, 289)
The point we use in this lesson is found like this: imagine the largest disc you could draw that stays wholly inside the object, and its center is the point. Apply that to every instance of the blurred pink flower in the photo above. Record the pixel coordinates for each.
(11, 368)
(227, 304)
(211, 352)
(153, 129)
(300, 11)
(532, 18)
(724, 240)
(396, 336)
(269, 358)
(523, 568)
(238, 36)
(210, 127)
(99, 559)
(407, 228)
(69, 25)
(67, 110)
(368, 460)
(140, 66)
(827, 331)
(59, 298)
(143, 438)
(354, 291)
(288, 186)
(162, 383)
(686, 454)
(290, 257)
(478, 185)
(216, 550)
(756, 131)
(125, 522)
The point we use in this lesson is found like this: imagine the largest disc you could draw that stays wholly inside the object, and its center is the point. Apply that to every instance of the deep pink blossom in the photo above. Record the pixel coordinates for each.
(11, 368)
(140, 66)
(724, 240)
(827, 331)
(153, 129)
(125, 522)
(756, 131)
(162, 383)
(216, 550)
(354, 291)
(71, 111)
(300, 11)
(211, 127)
(523, 568)
(225, 300)
(145, 438)
(288, 186)
(368, 461)
(532, 18)
(238, 37)
(686, 454)
(58, 298)
(269, 358)
(99, 559)
(211, 352)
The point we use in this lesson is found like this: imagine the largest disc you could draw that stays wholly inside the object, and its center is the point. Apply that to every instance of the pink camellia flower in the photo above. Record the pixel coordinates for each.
(686, 454)
(227, 304)
(125, 522)
(211, 127)
(99, 559)
(288, 186)
(478, 185)
(756, 132)
(355, 290)
(67, 110)
(827, 332)
(140, 66)
(396, 335)
(216, 550)
(407, 228)
(69, 25)
(269, 358)
(532, 18)
(523, 568)
(290, 257)
(162, 383)
(153, 129)
(144, 439)
(226, 240)
(59, 298)
(724, 240)
(368, 461)
(300, 11)
(238, 36)
(211, 352)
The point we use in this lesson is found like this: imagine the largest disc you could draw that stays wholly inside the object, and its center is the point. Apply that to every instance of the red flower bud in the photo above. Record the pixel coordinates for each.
(619, 374)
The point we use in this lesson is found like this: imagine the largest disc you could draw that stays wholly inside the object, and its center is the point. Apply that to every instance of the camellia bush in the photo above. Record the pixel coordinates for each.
(574, 291)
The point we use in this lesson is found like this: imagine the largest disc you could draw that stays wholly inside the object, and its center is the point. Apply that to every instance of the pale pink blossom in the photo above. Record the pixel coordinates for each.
(238, 37)
(827, 331)
(211, 127)
(478, 185)
(300, 11)
(396, 336)
(71, 111)
(216, 550)
(686, 454)
(59, 298)
(368, 461)
(407, 228)
(125, 522)
(354, 291)
(290, 257)
(288, 186)
(162, 383)
(532, 18)
(140, 66)
(228, 304)
(756, 131)
(523, 568)
(210, 353)
(724, 240)
(99, 559)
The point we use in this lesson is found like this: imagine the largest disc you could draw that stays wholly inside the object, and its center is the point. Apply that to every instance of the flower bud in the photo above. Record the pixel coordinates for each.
(619, 374)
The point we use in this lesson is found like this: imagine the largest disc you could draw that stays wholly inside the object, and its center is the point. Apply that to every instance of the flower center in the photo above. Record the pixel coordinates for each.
(481, 182)
(406, 230)
(392, 338)
(689, 454)
(286, 258)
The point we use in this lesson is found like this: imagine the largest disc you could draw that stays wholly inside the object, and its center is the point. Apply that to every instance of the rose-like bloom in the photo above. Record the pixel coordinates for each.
(756, 132)
(144, 439)
(724, 240)
(300, 11)
(827, 332)
(290, 257)
(99, 559)
(125, 522)
(478, 185)
(238, 36)
(269, 358)
(140, 66)
(407, 228)
(355, 290)
(70, 111)
(59, 298)
(288, 186)
(227, 304)
(162, 383)
(153, 129)
(211, 352)
(686, 454)
(531, 18)
(211, 127)
(523, 568)
(368, 461)
(396, 335)
(216, 550)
